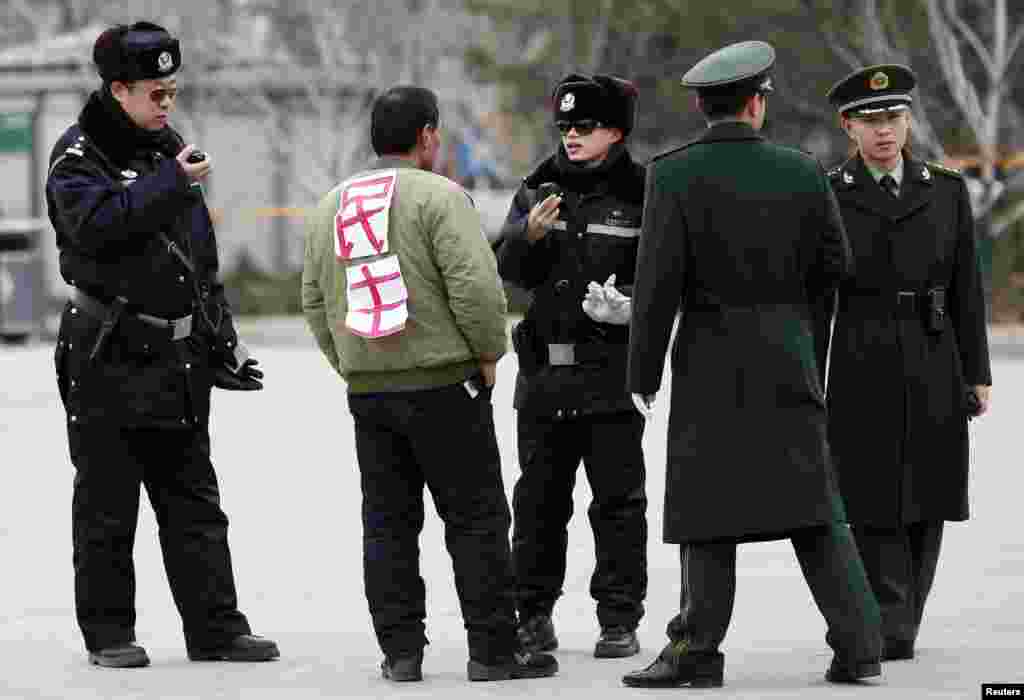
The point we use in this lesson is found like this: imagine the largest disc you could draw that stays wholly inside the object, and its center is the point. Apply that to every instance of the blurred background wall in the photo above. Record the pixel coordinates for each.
(279, 92)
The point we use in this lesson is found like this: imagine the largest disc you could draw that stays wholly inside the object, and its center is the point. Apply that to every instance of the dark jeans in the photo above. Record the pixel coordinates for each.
(444, 439)
(549, 455)
(832, 567)
(901, 567)
(174, 465)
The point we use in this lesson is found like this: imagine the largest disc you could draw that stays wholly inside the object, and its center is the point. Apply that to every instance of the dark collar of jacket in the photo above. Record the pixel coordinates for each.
(853, 183)
(730, 131)
(623, 180)
(111, 131)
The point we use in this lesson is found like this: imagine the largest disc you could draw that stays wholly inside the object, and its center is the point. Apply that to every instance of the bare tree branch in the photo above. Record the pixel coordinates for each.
(844, 54)
(984, 55)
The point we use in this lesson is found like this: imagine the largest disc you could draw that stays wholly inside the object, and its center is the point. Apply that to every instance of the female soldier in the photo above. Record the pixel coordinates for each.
(909, 362)
(572, 230)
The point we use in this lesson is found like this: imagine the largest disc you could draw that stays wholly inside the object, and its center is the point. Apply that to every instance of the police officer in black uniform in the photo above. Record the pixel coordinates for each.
(909, 362)
(145, 336)
(571, 239)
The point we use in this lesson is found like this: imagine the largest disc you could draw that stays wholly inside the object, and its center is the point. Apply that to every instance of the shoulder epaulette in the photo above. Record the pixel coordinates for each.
(945, 170)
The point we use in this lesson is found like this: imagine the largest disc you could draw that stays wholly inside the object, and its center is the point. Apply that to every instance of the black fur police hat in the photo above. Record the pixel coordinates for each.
(881, 88)
(141, 51)
(604, 98)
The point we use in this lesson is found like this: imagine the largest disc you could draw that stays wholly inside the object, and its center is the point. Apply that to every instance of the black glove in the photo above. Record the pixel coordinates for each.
(246, 379)
(972, 404)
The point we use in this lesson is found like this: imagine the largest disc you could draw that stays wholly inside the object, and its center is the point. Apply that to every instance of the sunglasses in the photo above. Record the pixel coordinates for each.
(584, 127)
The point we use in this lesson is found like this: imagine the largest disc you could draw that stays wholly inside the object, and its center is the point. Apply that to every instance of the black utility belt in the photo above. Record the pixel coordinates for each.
(567, 354)
(927, 306)
(177, 328)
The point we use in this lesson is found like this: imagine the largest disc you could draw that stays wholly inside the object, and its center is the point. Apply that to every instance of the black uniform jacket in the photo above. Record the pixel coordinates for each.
(896, 391)
(744, 236)
(111, 190)
(595, 236)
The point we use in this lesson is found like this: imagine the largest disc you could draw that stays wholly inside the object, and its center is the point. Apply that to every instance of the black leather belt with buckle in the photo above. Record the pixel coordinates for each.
(567, 354)
(179, 328)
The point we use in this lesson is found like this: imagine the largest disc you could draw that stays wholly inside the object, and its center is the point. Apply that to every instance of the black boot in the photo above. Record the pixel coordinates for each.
(537, 633)
(244, 647)
(524, 664)
(120, 656)
(844, 671)
(677, 666)
(403, 668)
(616, 643)
(898, 650)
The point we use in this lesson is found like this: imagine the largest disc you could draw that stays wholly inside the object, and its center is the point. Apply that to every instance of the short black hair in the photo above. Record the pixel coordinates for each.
(722, 104)
(398, 117)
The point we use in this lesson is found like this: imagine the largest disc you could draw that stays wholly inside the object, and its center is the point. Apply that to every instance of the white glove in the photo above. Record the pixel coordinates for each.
(644, 404)
(606, 304)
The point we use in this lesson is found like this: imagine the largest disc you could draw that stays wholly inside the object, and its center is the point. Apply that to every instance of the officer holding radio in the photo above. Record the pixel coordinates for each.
(145, 336)
(571, 239)
(909, 361)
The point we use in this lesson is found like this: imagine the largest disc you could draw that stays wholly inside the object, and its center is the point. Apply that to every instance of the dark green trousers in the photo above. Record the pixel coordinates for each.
(901, 567)
(834, 572)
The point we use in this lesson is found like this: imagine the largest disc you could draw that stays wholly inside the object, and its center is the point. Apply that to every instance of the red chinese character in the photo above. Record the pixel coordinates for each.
(362, 214)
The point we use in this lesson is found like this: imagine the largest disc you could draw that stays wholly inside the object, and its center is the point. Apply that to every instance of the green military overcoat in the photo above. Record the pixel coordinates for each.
(896, 392)
(745, 238)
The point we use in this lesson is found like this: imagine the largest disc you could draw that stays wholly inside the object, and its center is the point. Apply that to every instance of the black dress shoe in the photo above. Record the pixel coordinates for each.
(120, 656)
(852, 671)
(245, 647)
(538, 634)
(524, 664)
(898, 650)
(676, 666)
(616, 643)
(403, 668)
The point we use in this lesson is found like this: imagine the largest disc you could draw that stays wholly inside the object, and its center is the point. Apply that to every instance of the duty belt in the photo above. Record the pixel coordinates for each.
(179, 327)
(901, 304)
(566, 354)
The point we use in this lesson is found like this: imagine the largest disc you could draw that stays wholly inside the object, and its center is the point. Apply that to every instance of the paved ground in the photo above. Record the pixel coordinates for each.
(290, 486)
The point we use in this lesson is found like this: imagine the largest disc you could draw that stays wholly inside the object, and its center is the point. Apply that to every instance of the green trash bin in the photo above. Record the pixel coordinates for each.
(19, 278)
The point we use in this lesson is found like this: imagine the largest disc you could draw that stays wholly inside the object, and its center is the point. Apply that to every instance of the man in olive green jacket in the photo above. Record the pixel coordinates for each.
(401, 291)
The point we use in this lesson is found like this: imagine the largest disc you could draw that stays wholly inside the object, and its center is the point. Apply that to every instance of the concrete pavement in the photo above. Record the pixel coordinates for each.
(290, 485)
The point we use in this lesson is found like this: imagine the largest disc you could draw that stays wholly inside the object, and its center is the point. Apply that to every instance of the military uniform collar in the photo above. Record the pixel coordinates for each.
(731, 131)
(896, 173)
(855, 173)
(857, 185)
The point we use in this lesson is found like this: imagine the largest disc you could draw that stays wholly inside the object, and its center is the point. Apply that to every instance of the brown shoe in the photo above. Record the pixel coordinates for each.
(121, 656)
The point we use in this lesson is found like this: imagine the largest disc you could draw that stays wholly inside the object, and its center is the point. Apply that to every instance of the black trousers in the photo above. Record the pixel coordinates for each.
(901, 565)
(550, 451)
(832, 568)
(445, 440)
(174, 465)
